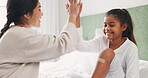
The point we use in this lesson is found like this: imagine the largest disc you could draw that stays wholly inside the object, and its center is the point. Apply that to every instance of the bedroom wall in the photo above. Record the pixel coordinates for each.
(95, 9)
(140, 18)
(91, 7)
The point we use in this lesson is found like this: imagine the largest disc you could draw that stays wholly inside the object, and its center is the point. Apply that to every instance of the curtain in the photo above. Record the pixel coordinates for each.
(49, 21)
(2, 13)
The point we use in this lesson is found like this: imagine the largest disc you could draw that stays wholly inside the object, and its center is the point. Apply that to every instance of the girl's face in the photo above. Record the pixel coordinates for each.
(112, 28)
(34, 19)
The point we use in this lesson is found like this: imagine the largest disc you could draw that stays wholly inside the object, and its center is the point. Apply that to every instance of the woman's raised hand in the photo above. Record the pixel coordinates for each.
(80, 9)
(74, 9)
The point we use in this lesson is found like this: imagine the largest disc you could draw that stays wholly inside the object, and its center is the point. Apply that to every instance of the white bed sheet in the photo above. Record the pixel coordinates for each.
(143, 69)
(71, 65)
(77, 65)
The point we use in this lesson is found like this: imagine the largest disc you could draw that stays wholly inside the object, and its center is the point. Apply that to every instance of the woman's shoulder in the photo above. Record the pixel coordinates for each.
(21, 29)
(20, 32)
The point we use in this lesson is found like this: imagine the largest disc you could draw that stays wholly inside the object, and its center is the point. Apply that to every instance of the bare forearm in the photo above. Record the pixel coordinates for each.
(78, 22)
(72, 19)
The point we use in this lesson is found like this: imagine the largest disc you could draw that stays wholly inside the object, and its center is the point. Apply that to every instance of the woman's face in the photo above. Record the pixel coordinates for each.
(112, 28)
(34, 19)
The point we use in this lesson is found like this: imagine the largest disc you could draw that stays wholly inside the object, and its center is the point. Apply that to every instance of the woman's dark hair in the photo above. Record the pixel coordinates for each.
(15, 10)
(124, 17)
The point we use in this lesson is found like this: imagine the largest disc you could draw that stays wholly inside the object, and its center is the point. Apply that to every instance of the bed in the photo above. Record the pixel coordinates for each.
(77, 65)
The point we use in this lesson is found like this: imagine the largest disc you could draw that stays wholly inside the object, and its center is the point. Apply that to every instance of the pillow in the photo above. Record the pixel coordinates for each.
(143, 68)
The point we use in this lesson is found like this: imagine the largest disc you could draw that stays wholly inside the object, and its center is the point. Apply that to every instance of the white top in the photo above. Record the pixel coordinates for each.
(21, 50)
(127, 52)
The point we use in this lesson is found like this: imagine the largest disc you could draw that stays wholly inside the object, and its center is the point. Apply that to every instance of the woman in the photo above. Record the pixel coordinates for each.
(22, 48)
(118, 36)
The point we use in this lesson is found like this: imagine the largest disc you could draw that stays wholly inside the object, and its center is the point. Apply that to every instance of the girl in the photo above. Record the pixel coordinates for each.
(108, 65)
(118, 36)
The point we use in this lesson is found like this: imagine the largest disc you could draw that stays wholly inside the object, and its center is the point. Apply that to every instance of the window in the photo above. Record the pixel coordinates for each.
(49, 22)
(2, 13)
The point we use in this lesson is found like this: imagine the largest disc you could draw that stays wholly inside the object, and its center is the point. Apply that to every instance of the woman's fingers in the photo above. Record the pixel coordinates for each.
(70, 1)
(74, 8)
(81, 6)
(67, 6)
(73, 1)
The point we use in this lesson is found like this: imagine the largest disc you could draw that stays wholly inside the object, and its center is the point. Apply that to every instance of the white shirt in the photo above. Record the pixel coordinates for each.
(127, 52)
(21, 50)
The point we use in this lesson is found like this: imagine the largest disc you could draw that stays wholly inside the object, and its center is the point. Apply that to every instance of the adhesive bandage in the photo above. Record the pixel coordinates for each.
(101, 60)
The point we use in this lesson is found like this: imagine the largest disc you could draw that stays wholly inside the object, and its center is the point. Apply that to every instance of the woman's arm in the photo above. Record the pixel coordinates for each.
(41, 47)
